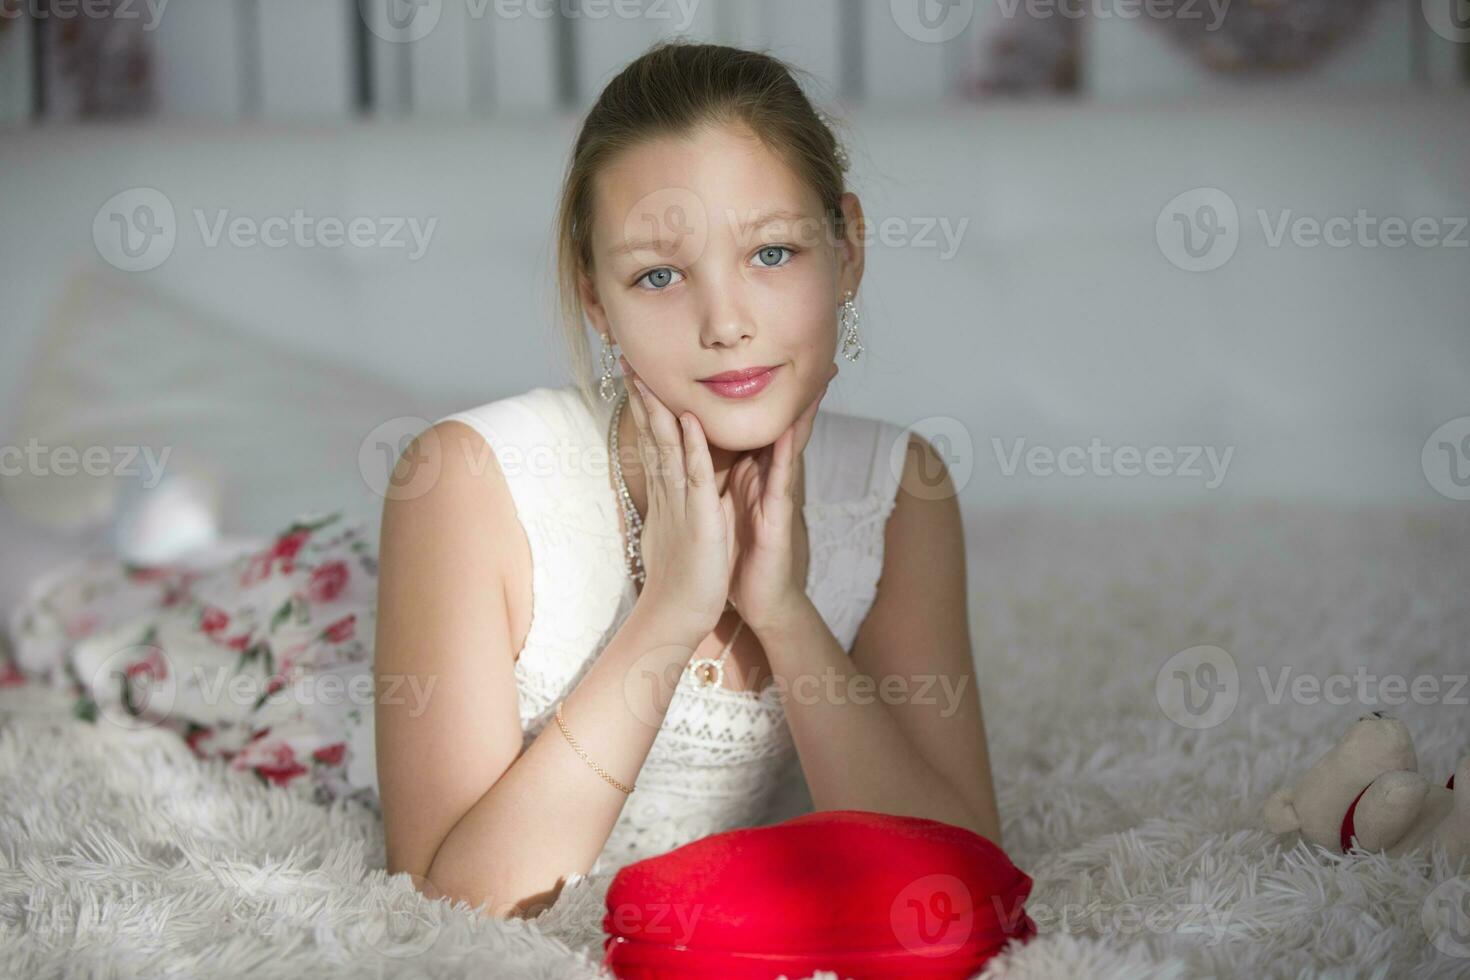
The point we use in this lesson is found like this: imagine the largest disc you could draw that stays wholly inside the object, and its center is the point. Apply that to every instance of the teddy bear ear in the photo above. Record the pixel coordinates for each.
(1280, 812)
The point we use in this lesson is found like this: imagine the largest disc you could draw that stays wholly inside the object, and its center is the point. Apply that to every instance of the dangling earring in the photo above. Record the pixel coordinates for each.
(852, 346)
(606, 388)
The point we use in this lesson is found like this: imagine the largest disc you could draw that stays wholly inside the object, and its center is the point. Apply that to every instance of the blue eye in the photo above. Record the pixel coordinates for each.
(663, 271)
(775, 248)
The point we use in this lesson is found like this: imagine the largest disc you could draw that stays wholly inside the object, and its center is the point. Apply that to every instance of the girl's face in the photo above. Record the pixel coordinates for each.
(711, 256)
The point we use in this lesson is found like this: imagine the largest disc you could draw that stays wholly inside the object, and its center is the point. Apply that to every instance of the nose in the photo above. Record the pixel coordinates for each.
(725, 322)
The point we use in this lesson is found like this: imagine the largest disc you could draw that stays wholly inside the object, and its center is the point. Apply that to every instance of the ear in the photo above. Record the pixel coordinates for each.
(1280, 812)
(591, 304)
(851, 255)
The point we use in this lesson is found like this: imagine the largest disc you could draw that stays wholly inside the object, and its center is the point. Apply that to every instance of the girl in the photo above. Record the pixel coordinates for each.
(628, 655)
(602, 624)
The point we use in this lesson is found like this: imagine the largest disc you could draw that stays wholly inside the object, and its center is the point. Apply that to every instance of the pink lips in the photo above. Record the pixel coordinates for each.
(740, 384)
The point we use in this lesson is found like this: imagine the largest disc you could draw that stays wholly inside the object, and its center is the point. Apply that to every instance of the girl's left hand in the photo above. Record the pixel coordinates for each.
(771, 548)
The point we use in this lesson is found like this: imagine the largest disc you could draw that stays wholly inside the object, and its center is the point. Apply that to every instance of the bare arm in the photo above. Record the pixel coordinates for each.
(462, 806)
(900, 729)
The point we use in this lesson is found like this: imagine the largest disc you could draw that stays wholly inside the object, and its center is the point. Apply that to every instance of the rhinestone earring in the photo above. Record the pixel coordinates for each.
(852, 346)
(606, 389)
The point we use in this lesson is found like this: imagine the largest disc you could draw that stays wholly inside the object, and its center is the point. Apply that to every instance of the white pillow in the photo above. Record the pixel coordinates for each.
(150, 387)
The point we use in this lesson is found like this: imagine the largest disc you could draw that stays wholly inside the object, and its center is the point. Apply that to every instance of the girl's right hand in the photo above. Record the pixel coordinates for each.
(687, 545)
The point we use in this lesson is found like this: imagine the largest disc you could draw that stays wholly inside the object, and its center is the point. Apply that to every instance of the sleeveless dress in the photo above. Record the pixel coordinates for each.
(302, 608)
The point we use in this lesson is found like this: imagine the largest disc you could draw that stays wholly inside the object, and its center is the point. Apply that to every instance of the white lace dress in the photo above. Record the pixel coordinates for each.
(723, 758)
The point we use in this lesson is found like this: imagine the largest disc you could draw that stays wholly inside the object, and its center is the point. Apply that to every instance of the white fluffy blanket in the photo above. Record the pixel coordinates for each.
(123, 855)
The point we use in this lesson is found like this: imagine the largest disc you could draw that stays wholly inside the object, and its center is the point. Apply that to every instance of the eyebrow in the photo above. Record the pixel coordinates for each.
(757, 220)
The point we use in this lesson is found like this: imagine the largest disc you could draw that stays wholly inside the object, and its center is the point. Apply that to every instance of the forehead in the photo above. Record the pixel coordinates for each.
(725, 172)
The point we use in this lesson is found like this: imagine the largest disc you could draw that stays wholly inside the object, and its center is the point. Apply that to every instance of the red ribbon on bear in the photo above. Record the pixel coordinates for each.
(1348, 829)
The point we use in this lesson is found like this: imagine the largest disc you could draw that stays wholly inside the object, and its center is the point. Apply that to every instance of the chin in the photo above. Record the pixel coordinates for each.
(735, 427)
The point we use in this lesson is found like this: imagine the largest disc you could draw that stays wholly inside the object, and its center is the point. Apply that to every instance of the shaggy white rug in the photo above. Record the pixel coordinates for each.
(121, 854)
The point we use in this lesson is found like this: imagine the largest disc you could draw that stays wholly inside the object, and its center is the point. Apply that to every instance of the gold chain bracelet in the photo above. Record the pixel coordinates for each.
(561, 723)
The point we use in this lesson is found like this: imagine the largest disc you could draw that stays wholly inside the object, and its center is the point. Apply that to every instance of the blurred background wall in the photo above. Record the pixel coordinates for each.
(1227, 234)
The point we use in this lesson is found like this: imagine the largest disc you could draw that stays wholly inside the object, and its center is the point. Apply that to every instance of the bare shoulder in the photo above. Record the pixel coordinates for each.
(924, 538)
(447, 487)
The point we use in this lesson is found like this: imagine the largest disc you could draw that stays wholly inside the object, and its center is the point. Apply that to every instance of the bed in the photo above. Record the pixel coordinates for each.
(122, 854)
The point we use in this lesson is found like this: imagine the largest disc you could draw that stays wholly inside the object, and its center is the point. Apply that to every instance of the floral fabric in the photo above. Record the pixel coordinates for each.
(260, 657)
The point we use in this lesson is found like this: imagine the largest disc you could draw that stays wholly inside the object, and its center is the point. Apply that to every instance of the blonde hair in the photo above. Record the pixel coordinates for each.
(673, 88)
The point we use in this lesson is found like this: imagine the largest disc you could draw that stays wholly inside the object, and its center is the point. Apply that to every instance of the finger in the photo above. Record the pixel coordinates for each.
(666, 436)
(779, 480)
(647, 445)
(697, 462)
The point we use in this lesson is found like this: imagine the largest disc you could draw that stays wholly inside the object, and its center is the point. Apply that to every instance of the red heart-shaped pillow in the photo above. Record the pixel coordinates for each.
(859, 893)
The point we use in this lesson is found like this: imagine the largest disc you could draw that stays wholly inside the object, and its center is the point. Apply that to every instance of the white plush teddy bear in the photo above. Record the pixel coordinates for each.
(1368, 787)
